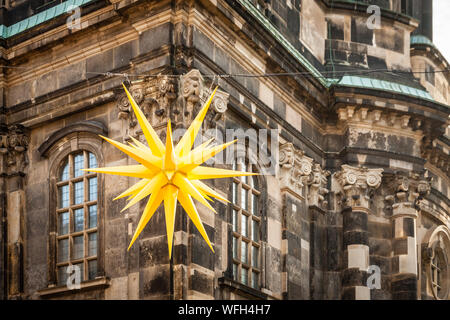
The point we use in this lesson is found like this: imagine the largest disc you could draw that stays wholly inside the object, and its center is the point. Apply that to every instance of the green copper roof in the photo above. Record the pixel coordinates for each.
(30, 22)
(419, 39)
(361, 82)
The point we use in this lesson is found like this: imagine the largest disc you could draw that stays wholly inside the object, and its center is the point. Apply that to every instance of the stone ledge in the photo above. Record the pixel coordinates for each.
(242, 289)
(98, 283)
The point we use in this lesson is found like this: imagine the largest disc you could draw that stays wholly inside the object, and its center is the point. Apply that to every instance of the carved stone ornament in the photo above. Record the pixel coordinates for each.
(358, 184)
(14, 142)
(409, 189)
(169, 96)
(301, 176)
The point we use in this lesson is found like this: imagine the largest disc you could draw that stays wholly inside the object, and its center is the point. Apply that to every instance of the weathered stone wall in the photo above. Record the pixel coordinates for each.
(342, 197)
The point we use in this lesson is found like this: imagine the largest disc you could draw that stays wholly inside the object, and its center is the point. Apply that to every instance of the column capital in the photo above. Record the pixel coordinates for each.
(302, 176)
(358, 184)
(408, 189)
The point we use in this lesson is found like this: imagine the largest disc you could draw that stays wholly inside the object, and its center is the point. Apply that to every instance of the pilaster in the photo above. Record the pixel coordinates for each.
(358, 186)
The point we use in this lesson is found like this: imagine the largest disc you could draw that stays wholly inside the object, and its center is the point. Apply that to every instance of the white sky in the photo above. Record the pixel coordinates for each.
(441, 26)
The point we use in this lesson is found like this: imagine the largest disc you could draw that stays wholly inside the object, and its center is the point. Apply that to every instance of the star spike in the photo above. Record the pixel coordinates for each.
(153, 140)
(185, 144)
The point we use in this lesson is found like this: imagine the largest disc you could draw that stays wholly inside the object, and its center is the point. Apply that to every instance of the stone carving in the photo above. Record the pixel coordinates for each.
(300, 175)
(409, 189)
(317, 190)
(358, 184)
(376, 117)
(167, 96)
(14, 142)
(435, 156)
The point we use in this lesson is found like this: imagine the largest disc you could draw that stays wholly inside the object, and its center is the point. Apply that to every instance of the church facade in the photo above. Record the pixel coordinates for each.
(341, 107)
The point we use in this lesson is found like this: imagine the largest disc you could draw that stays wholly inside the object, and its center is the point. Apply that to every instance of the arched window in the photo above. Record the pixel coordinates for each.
(438, 272)
(77, 216)
(246, 225)
(435, 257)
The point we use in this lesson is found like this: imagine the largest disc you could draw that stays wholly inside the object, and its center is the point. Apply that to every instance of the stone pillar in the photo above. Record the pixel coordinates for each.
(358, 185)
(408, 189)
(13, 146)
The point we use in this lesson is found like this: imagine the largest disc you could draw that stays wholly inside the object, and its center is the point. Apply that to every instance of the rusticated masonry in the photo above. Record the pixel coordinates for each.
(358, 186)
(303, 186)
(408, 190)
(13, 160)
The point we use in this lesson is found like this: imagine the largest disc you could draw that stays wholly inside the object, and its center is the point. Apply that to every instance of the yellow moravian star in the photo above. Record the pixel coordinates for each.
(169, 173)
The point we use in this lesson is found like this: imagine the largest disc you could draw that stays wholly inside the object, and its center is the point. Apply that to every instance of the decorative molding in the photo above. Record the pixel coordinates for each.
(94, 127)
(179, 98)
(14, 142)
(358, 184)
(302, 176)
(317, 183)
(365, 117)
(409, 189)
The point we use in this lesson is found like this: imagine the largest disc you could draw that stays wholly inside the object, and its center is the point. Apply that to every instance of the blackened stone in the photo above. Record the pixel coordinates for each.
(122, 55)
(157, 227)
(408, 227)
(401, 144)
(356, 237)
(153, 251)
(380, 230)
(180, 253)
(293, 18)
(404, 284)
(222, 59)
(360, 33)
(181, 220)
(354, 277)
(335, 31)
(356, 58)
(294, 245)
(155, 38)
(200, 251)
(376, 63)
(404, 295)
(159, 284)
(380, 247)
(202, 283)
(395, 264)
(279, 106)
(100, 63)
(348, 293)
(400, 246)
(294, 291)
(333, 248)
(355, 221)
(383, 262)
(252, 85)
